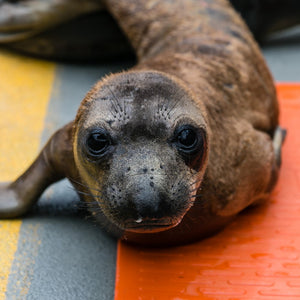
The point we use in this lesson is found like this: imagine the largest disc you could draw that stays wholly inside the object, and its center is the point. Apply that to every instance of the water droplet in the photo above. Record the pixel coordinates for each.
(139, 220)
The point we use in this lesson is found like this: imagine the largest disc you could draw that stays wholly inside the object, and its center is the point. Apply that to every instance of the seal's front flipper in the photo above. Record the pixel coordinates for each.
(278, 140)
(23, 19)
(53, 163)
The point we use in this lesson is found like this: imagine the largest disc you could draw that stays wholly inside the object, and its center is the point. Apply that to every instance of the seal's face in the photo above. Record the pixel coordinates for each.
(140, 146)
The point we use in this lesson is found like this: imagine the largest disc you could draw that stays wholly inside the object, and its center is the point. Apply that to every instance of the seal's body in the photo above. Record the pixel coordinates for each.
(172, 150)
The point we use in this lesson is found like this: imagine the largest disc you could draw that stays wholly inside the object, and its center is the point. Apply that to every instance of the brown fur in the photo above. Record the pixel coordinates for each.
(206, 51)
(207, 45)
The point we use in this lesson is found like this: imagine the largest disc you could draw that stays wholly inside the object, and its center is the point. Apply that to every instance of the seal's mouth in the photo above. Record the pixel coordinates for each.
(141, 225)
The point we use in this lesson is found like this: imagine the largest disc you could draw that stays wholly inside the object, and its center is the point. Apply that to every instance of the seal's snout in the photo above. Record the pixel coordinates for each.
(145, 206)
(141, 195)
(150, 210)
(152, 204)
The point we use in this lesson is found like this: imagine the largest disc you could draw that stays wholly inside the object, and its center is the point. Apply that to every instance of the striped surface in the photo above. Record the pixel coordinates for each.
(23, 104)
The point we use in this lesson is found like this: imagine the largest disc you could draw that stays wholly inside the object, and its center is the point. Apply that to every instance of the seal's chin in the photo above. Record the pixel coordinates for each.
(141, 225)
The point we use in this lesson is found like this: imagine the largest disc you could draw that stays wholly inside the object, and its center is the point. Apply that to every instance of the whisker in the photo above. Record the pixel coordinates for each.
(195, 196)
(197, 181)
(173, 107)
(93, 205)
(88, 194)
(84, 185)
(120, 109)
(195, 189)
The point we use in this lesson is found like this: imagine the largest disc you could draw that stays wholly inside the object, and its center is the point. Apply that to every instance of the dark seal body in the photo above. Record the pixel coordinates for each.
(170, 151)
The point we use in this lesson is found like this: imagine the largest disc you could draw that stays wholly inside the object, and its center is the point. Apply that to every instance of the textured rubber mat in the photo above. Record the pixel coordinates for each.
(255, 257)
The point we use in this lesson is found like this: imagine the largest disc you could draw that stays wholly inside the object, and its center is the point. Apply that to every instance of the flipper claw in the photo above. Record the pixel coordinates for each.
(278, 140)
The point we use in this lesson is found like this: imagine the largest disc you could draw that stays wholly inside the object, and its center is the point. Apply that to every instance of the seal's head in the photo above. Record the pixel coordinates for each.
(140, 145)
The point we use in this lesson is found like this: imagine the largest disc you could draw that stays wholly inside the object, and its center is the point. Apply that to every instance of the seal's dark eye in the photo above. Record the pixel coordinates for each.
(187, 139)
(98, 143)
(190, 142)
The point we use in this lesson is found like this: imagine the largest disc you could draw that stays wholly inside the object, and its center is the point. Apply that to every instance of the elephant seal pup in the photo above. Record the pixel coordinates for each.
(170, 151)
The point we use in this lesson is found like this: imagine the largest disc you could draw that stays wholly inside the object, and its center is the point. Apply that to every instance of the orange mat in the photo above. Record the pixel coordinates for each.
(256, 257)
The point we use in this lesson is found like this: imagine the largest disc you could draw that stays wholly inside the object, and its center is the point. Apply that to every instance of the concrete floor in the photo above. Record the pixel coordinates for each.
(62, 254)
